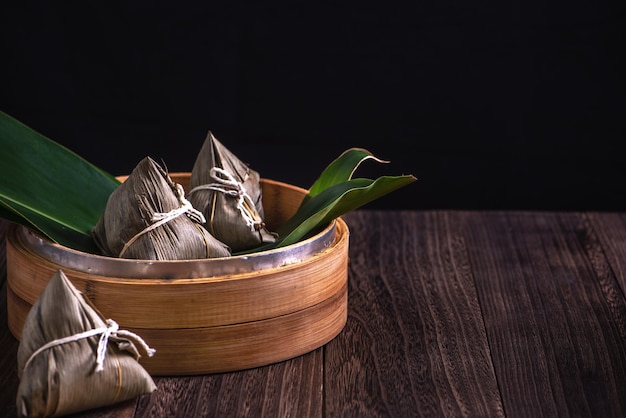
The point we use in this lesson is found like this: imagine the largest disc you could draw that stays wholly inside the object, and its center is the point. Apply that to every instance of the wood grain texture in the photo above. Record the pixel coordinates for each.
(555, 342)
(415, 344)
(450, 314)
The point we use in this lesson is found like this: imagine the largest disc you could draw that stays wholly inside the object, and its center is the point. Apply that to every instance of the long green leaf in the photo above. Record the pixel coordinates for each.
(62, 235)
(336, 201)
(335, 193)
(46, 186)
(341, 169)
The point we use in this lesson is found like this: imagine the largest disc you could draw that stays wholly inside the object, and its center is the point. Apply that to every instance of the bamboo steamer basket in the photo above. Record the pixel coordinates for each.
(203, 316)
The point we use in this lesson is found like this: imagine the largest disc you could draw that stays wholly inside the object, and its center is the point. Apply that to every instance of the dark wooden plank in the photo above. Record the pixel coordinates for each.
(603, 237)
(414, 344)
(610, 230)
(291, 388)
(554, 338)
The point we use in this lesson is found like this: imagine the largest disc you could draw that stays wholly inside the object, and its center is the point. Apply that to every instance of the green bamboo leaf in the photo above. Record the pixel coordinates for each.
(11, 215)
(335, 201)
(45, 186)
(341, 169)
(62, 235)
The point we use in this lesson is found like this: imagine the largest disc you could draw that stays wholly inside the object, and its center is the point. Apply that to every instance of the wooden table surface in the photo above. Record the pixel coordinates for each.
(451, 313)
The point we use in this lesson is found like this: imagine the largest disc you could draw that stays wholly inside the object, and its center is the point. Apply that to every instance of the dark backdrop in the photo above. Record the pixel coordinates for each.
(490, 104)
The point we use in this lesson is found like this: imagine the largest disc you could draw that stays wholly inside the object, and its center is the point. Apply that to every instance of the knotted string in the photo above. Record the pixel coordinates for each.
(112, 329)
(160, 218)
(227, 184)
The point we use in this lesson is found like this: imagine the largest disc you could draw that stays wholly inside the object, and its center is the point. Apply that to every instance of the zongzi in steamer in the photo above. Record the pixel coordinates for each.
(70, 359)
(148, 217)
(229, 194)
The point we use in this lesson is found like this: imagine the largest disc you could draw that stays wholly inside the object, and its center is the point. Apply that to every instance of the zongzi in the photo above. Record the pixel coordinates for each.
(229, 194)
(148, 217)
(71, 359)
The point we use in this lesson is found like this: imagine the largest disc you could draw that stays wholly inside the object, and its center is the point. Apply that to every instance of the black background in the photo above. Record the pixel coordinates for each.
(490, 104)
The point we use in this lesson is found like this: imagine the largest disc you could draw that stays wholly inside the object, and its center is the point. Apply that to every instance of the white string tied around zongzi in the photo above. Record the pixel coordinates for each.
(112, 329)
(227, 184)
(160, 218)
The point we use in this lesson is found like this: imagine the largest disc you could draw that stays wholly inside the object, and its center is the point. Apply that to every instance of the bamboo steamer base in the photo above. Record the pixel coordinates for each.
(209, 324)
(192, 351)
